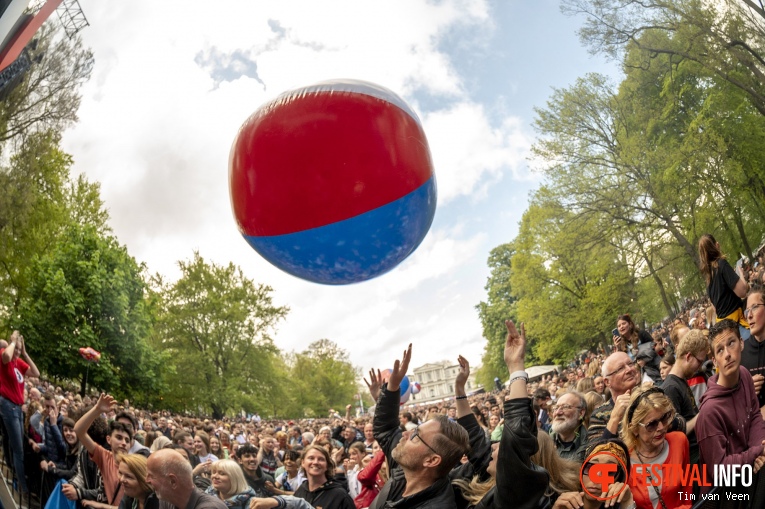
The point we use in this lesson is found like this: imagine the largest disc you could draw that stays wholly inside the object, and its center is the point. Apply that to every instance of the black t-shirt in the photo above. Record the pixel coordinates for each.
(679, 392)
(720, 289)
(753, 359)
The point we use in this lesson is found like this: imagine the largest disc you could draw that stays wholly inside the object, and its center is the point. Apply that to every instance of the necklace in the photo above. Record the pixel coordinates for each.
(643, 457)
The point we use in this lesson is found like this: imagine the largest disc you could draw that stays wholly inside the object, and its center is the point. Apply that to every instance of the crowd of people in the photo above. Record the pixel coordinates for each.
(685, 392)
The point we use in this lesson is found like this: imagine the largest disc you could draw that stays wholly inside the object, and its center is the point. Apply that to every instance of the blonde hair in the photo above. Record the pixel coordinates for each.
(159, 443)
(593, 400)
(593, 370)
(234, 472)
(711, 315)
(637, 411)
(474, 490)
(136, 463)
(564, 474)
(694, 342)
(585, 385)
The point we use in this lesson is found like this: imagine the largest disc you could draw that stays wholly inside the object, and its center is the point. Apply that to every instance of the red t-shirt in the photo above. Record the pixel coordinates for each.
(12, 379)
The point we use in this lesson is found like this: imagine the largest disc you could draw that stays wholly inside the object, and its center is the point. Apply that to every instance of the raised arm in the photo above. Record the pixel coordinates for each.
(32, 371)
(103, 405)
(386, 423)
(460, 397)
(11, 348)
(519, 483)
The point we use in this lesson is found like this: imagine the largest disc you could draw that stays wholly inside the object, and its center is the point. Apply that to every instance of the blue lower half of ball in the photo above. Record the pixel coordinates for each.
(356, 249)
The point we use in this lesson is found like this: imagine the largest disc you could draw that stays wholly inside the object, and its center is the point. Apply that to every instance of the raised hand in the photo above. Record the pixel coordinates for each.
(570, 500)
(463, 374)
(105, 403)
(515, 347)
(375, 383)
(400, 367)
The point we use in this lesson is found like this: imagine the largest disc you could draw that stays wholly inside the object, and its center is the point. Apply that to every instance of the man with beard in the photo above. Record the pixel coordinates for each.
(419, 460)
(568, 431)
(253, 473)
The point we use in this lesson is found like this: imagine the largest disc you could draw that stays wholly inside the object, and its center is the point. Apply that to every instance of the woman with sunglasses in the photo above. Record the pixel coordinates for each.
(645, 430)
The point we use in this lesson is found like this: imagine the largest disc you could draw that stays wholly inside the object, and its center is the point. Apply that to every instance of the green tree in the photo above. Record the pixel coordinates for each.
(322, 377)
(499, 306)
(569, 288)
(48, 97)
(216, 324)
(87, 291)
(726, 37)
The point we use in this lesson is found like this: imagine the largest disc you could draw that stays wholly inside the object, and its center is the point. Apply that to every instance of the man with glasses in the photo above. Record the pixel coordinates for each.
(729, 428)
(419, 460)
(568, 431)
(753, 356)
(691, 353)
(620, 375)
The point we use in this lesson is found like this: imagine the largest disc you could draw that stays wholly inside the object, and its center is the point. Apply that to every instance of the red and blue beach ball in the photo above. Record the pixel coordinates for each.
(333, 183)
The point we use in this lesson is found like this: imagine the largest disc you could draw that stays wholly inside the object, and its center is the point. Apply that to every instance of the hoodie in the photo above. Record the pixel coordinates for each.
(329, 495)
(729, 428)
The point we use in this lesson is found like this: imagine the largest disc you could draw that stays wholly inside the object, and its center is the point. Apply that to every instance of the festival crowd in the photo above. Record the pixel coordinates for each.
(684, 393)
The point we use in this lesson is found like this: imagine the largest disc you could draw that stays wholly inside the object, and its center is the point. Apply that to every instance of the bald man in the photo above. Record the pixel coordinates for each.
(169, 474)
(620, 375)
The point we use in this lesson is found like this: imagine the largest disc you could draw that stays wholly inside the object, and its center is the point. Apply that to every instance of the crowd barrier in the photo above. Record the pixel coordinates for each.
(10, 496)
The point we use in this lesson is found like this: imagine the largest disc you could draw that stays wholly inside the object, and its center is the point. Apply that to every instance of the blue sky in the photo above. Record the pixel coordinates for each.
(171, 86)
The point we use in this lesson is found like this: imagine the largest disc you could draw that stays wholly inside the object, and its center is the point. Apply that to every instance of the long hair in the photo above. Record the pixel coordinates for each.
(205, 438)
(474, 490)
(633, 334)
(709, 254)
(136, 463)
(235, 475)
(564, 474)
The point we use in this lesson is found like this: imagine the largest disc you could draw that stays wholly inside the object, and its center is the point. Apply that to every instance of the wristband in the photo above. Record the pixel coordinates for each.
(525, 379)
(461, 397)
(519, 374)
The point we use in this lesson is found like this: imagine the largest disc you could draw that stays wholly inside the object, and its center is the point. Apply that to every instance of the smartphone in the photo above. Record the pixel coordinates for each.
(615, 332)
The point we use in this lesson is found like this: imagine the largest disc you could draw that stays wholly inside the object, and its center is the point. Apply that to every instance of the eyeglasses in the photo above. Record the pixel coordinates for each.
(416, 434)
(701, 361)
(654, 424)
(618, 475)
(627, 365)
(565, 407)
(751, 309)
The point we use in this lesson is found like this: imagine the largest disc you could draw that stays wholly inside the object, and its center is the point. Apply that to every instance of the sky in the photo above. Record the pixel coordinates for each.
(174, 80)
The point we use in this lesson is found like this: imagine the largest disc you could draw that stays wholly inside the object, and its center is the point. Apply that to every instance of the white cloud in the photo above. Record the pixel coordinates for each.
(469, 153)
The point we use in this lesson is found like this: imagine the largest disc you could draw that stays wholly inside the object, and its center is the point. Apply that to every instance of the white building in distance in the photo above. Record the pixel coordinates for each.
(437, 381)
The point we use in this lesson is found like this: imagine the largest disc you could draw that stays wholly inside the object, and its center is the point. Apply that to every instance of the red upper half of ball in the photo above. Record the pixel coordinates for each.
(309, 159)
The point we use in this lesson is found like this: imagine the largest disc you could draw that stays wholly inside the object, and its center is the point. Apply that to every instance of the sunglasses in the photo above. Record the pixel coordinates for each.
(618, 475)
(654, 424)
